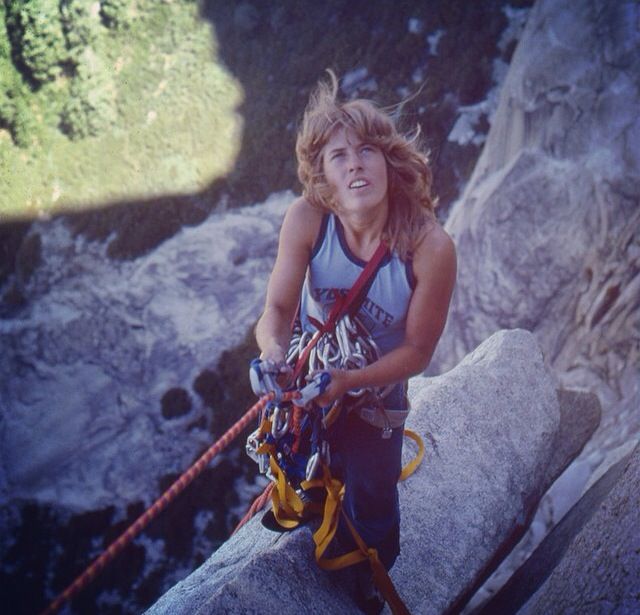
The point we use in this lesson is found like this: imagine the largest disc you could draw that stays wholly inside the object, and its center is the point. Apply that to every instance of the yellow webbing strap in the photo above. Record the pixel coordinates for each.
(288, 508)
(412, 466)
(325, 533)
(380, 575)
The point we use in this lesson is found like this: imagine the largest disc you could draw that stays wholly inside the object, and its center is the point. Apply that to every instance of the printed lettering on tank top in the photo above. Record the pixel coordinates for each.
(371, 314)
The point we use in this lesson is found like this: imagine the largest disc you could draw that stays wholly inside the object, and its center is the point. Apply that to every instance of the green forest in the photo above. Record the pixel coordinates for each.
(97, 104)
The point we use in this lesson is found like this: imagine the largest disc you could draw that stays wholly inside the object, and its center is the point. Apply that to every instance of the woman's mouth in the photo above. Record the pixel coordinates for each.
(358, 183)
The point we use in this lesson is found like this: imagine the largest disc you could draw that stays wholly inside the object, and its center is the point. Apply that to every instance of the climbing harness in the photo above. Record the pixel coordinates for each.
(349, 347)
(297, 461)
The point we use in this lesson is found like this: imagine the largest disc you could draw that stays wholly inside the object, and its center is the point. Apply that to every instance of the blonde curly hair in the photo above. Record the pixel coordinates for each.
(411, 204)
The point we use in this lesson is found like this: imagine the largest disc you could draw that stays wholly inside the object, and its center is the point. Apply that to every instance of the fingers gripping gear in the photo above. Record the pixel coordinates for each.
(263, 375)
(277, 428)
(263, 378)
(317, 386)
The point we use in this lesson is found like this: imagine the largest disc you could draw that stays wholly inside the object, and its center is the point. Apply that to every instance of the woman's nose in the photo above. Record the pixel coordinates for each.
(354, 161)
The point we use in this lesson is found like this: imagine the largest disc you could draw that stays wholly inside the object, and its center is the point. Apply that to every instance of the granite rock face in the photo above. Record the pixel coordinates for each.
(580, 415)
(489, 428)
(548, 228)
(86, 367)
(491, 423)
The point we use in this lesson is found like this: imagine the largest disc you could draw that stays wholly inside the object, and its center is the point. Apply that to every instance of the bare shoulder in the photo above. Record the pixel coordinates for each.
(301, 210)
(302, 221)
(435, 253)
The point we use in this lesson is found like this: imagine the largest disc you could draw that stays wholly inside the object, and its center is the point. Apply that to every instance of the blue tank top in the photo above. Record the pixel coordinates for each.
(333, 269)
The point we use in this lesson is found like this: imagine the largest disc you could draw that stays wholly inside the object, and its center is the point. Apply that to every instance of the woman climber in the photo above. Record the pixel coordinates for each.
(364, 183)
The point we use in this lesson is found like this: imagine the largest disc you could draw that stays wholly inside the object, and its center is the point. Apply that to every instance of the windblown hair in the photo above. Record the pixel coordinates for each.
(411, 204)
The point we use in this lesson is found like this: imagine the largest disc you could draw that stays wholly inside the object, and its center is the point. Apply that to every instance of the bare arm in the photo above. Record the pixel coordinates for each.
(435, 270)
(297, 235)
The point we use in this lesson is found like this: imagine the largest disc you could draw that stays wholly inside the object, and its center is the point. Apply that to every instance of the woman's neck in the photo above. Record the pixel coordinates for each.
(363, 232)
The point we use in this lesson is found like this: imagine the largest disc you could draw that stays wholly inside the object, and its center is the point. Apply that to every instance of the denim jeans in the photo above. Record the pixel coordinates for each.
(369, 466)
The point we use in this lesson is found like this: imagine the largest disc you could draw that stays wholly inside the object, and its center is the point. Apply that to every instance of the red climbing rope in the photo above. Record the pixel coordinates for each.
(161, 503)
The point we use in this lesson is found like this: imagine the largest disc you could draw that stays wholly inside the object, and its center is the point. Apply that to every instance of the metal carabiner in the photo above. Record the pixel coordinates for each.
(279, 422)
(312, 465)
(323, 353)
(262, 378)
(359, 360)
(252, 445)
(263, 463)
(254, 438)
(313, 359)
(305, 338)
(337, 356)
(350, 325)
(251, 448)
(331, 352)
(342, 337)
(293, 352)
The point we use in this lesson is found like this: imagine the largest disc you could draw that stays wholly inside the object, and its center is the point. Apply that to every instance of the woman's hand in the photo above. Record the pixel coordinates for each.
(274, 362)
(341, 382)
(273, 354)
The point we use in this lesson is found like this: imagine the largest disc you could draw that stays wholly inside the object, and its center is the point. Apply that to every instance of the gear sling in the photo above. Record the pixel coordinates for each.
(289, 448)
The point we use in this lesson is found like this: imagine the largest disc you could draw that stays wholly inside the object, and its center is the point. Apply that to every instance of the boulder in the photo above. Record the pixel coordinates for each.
(492, 423)
(548, 228)
(489, 426)
(580, 414)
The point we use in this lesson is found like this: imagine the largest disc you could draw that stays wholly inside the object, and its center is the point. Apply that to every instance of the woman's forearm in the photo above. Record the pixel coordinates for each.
(396, 366)
(402, 363)
(273, 332)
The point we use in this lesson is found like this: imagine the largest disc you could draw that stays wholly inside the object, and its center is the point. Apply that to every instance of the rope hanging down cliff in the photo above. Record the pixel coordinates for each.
(161, 503)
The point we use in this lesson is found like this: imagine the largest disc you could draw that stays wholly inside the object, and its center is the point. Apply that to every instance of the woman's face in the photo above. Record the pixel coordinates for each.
(356, 171)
